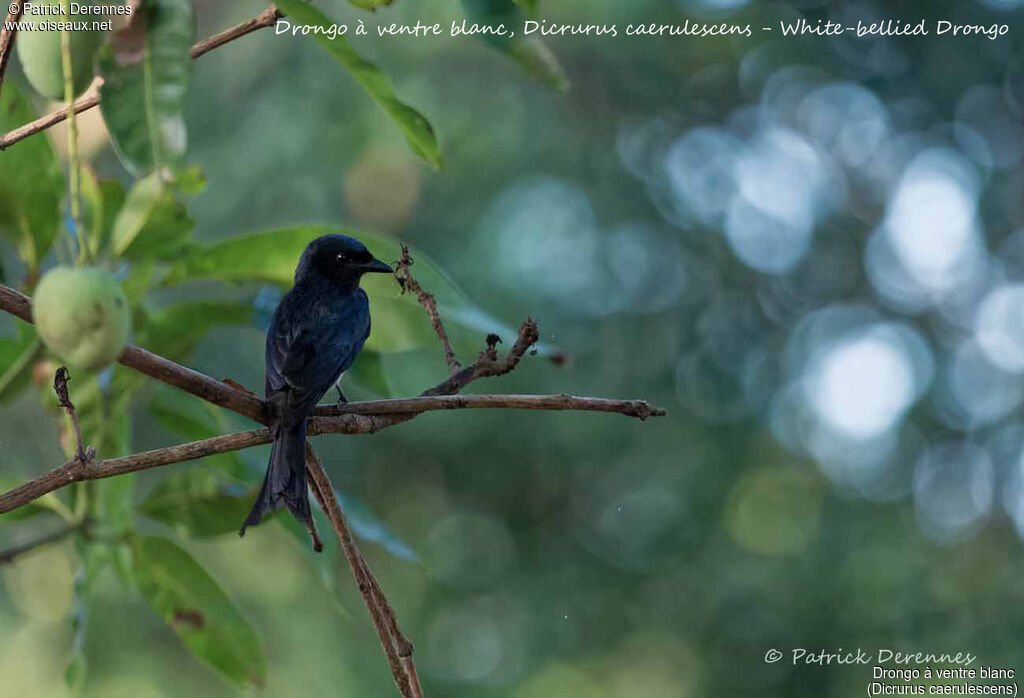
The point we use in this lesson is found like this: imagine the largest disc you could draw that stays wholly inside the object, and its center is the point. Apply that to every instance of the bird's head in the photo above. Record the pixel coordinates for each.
(337, 258)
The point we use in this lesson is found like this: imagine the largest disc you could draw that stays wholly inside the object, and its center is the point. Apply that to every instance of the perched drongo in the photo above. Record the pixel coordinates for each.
(315, 334)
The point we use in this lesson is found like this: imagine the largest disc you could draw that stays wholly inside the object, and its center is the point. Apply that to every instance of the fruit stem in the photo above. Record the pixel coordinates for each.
(74, 166)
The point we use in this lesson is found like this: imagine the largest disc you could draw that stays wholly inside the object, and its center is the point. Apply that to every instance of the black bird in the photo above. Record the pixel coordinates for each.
(315, 334)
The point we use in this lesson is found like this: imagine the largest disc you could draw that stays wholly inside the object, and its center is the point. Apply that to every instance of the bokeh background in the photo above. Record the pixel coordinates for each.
(810, 251)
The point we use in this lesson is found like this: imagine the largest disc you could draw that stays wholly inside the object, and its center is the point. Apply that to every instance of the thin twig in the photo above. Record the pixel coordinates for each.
(267, 18)
(408, 283)
(60, 386)
(8, 556)
(369, 589)
(7, 37)
(88, 100)
(403, 647)
(92, 97)
(76, 470)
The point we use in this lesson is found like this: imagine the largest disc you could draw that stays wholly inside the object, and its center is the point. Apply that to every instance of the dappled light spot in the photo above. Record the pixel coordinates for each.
(700, 167)
(999, 327)
(847, 120)
(931, 220)
(987, 129)
(973, 391)
(862, 386)
(953, 490)
(468, 550)
(774, 510)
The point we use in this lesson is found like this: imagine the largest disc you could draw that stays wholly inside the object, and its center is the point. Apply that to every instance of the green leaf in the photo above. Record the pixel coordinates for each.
(152, 223)
(363, 521)
(201, 422)
(196, 505)
(329, 563)
(146, 71)
(114, 512)
(371, 5)
(31, 184)
(190, 180)
(529, 52)
(102, 202)
(418, 132)
(93, 556)
(399, 323)
(198, 610)
(367, 525)
(204, 501)
(76, 671)
(174, 331)
(367, 375)
(17, 357)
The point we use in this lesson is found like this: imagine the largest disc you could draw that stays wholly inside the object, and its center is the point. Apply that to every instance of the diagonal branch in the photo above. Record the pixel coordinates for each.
(407, 282)
(7, 38)
(397, 649)
(267, 18)
(91, 98)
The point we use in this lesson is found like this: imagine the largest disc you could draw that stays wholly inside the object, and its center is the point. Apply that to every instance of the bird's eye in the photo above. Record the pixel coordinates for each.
(341, 258)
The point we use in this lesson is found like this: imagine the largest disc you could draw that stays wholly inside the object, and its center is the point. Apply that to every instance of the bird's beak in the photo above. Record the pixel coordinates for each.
(375, 266)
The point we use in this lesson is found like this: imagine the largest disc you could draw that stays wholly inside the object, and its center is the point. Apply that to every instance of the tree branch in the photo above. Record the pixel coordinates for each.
(267, 18)
(408, 283)
(397, 649)
(91, 97)
(7, 40)
(353, 418)
(60, 386)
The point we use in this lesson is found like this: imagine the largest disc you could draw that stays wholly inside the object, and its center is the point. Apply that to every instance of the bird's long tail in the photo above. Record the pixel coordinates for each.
(285, 481)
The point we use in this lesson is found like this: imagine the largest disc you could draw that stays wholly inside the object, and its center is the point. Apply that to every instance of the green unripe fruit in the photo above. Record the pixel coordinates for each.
(39, 53)
(82, 316)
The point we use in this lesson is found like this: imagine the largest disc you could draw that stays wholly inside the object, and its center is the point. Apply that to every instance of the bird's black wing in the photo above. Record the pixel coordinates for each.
(308, 348)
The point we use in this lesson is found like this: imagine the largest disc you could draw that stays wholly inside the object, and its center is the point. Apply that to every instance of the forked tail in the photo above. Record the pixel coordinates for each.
(285, 481)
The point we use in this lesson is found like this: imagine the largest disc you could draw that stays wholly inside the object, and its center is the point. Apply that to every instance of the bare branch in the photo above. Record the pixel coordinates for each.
(353, 418)
(7, 39)
(397, 649)
(60, 386)
(428, 403)
(91, 98)
(76, 470)
(267, 18)
(408, 283)
(488, 364)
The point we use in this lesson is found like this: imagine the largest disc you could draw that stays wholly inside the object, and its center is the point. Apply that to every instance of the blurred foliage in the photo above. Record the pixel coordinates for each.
(808, 249)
